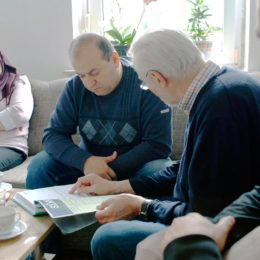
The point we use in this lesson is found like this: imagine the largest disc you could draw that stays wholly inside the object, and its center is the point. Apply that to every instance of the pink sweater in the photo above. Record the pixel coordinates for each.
(17, 115)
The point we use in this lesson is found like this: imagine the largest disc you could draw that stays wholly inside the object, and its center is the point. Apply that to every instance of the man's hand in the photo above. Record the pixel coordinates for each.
(95, 185)
(123, 206)
(194, 223)
(99, 166)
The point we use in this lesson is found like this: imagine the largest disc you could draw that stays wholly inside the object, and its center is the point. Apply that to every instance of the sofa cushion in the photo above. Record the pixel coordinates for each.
(45, 96)
(17, 175)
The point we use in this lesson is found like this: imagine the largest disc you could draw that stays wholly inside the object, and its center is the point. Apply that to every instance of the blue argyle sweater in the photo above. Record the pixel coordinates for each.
(128, 120)
(221, 157)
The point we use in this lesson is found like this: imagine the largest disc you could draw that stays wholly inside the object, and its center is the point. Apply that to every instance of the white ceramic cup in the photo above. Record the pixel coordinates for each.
(2, 191)
(1, 177)
(8, 218)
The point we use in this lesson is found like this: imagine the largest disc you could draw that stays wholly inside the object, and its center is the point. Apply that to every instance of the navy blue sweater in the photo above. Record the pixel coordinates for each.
(128, 120)
(221, 157)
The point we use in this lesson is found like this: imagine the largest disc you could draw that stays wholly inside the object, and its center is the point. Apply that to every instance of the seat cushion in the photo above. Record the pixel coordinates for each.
(17, 175)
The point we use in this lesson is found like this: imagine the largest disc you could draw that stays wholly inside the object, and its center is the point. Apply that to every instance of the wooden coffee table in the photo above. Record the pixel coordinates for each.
(21, 246)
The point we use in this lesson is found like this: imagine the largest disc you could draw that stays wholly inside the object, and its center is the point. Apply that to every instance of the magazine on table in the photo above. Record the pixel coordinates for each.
(57, 201)
(70, 212)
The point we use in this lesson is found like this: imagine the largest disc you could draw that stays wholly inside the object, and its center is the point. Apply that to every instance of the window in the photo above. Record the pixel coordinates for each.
(174, 14)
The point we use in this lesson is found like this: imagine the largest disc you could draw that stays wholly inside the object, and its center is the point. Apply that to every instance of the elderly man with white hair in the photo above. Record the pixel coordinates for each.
(221, 150)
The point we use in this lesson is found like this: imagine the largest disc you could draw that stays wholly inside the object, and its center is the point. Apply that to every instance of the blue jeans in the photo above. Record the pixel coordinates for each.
(44, 171)
(118, 240)
(10, 157)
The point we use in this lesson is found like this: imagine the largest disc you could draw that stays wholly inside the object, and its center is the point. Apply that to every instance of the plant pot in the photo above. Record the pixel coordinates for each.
(205, 47)
(122, 50)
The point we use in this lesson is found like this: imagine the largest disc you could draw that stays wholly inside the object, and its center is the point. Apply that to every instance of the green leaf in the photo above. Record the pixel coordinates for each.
(115, 34)
(198, 26)
(129, 38)
(125, 31)
(113, 25)
(121, 37)
(115, 42)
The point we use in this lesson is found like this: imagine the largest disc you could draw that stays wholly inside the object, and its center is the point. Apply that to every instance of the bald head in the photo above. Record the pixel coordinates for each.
(86, 39)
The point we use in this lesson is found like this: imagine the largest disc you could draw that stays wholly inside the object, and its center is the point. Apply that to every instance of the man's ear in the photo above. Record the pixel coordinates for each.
(158, 78)
(115, 58)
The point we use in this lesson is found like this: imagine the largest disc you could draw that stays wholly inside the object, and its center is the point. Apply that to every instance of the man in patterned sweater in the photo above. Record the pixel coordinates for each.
(125, 131)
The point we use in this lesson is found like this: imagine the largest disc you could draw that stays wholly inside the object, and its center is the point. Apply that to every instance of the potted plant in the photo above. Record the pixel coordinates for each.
(198, 27)
(122, 38)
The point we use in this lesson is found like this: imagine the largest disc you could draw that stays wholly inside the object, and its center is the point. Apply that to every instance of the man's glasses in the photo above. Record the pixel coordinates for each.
(143, 84)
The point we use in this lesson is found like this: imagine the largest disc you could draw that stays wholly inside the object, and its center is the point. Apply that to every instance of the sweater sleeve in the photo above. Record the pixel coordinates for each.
(204, 182)
(156, 184)
(192, 247)
(156, 132)
(219, 170)
(246, 210)
(19, 111)
(57, 138)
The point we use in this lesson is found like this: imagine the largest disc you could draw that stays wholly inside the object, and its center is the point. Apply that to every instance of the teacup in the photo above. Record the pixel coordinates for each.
(8, 218)
(1, 177)
(2, 191)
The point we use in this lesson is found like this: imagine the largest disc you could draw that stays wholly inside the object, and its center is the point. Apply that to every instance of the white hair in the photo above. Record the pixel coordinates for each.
(168, 51)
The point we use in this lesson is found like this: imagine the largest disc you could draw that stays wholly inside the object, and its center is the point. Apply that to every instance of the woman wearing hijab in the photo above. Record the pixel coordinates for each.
(16, 105)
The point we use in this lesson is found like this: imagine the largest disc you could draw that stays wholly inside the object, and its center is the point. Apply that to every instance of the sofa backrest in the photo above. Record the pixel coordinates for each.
(45, 95)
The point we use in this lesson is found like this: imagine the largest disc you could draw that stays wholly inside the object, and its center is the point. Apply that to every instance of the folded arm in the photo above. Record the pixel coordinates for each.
(205, 183)
(19, 111)
(57, 138)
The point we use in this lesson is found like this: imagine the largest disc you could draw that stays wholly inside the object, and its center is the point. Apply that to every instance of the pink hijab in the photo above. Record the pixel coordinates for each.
(7, 78)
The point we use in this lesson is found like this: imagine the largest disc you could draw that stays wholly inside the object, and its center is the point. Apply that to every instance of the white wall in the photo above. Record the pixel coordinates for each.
(35, 36)
(252, 44)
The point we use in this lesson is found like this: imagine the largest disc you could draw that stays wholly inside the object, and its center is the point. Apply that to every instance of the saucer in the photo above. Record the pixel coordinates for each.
(18, 229)
(5, 186)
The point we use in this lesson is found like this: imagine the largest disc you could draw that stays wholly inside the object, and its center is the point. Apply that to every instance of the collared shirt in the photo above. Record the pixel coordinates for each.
(209, 70)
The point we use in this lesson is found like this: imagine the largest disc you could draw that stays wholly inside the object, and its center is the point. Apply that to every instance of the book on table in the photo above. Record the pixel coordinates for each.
(57, 201)
(70, 212)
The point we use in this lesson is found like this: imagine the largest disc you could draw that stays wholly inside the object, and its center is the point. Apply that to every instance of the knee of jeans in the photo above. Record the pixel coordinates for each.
(30, 180)
(102, 241)
(34, 174)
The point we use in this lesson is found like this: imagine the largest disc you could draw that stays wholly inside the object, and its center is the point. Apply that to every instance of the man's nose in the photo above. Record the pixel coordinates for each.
(90, 81)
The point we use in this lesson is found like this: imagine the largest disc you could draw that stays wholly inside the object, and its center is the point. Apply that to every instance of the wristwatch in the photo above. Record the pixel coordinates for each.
(144, 208)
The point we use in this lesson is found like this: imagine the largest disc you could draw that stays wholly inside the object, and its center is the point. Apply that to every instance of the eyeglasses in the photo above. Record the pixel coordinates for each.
(144, 85)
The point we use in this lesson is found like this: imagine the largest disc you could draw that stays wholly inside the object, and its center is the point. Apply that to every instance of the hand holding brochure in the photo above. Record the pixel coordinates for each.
(66, 207)
(57, 201)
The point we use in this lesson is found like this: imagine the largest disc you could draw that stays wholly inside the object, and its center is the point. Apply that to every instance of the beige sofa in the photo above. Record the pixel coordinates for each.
(45, 97)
